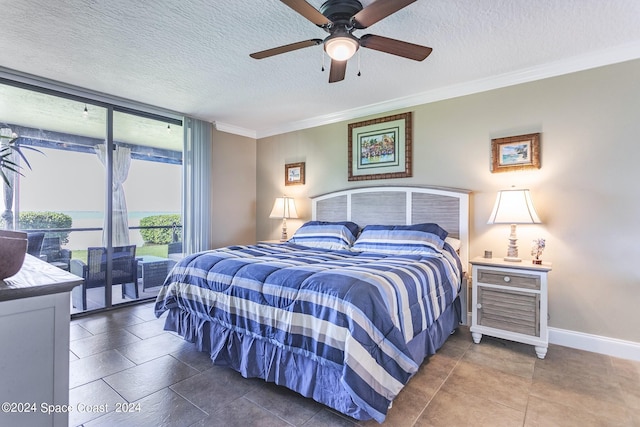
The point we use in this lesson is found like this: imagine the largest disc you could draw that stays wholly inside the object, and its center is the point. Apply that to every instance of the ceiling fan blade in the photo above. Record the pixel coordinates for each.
(337, 71)
(308, 11)
(286, 48)
(395, 47)
(376, 11)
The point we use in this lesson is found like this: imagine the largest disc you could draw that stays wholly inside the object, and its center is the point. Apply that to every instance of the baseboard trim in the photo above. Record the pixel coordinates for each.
(595, 343)
(588, 342)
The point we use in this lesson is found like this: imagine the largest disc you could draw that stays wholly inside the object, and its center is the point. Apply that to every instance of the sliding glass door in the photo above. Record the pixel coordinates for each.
(147, 188)
(92, 168)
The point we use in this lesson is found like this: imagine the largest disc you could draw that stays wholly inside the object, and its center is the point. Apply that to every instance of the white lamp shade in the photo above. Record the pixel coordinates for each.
(284, 207)
(513, 207)
(342, 47)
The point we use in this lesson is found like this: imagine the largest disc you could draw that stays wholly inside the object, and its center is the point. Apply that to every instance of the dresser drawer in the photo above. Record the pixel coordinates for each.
(504, 278)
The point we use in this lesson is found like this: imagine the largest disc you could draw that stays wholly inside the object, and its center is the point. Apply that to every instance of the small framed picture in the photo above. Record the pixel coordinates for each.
(515, 153)
(294, 173)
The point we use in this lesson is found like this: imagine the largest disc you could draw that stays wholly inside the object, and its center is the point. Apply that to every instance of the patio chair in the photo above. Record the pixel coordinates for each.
(125, 272)
(34, 243)
(53, 253)
(174, 251)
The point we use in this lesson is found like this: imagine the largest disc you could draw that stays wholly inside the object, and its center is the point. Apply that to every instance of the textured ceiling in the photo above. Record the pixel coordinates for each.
(192, 56)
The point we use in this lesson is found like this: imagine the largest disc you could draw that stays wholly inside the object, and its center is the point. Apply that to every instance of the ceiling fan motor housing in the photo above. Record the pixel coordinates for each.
(340, 11)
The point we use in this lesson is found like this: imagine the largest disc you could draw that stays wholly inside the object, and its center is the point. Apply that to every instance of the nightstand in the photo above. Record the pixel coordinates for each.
(509, 300)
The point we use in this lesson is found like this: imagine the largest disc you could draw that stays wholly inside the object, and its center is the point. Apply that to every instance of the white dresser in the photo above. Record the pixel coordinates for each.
(34, 345)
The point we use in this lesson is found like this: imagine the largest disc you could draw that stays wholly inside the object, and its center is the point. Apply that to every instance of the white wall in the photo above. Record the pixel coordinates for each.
(586, 191)
(233, 186)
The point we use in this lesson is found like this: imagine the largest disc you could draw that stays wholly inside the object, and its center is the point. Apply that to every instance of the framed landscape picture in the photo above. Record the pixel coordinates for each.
(380, 148)
(294, 173)
(515, 153)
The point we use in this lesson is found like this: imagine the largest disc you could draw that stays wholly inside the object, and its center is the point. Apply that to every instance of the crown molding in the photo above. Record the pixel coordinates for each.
(237, 130)
(622, 53)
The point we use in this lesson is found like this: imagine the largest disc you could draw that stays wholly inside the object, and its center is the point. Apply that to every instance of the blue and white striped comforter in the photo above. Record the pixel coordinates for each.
(355, 310)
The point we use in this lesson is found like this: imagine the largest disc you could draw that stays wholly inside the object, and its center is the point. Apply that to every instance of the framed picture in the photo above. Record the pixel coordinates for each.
(380, 148)
(515, 153)
(294, 173)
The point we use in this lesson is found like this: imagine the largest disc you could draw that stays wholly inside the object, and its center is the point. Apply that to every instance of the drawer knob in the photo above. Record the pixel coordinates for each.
(507, 279)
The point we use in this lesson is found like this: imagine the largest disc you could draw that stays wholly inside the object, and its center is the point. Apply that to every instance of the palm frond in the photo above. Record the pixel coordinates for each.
(6, 164)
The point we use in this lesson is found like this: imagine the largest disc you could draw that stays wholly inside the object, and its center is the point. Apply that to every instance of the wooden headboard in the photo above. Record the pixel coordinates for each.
(399, 206)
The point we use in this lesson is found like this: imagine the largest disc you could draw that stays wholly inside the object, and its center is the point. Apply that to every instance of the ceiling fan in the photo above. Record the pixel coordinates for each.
(340, 18)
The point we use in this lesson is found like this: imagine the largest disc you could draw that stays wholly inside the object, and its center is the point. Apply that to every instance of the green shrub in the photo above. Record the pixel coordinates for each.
(45, 220)
(160, 236)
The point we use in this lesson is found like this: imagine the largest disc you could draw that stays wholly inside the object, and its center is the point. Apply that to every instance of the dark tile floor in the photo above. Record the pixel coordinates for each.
(124, 360)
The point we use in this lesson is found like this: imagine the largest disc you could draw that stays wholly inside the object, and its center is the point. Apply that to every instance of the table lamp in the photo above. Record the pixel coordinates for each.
(283, 208)
(513, 207)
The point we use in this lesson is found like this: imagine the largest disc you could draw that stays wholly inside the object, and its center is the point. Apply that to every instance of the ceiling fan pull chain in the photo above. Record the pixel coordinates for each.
(359, 74)
(323, 60)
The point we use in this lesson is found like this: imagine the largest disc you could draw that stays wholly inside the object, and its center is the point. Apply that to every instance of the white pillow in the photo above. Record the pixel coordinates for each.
(455, 243)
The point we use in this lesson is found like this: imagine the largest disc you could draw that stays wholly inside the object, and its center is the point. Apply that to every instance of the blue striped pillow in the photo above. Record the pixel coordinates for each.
(401, 239)
(326, 235)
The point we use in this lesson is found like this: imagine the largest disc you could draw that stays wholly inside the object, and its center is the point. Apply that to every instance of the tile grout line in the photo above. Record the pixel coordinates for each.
(439, 387)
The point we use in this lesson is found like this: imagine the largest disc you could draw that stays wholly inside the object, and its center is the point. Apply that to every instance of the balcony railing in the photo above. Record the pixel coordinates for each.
(79, 251)
(154, 261)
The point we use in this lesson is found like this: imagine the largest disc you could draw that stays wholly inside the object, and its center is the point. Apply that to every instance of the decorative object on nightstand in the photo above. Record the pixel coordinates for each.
(536, 250)
(284, 208)
(513, 207)
(510, 301)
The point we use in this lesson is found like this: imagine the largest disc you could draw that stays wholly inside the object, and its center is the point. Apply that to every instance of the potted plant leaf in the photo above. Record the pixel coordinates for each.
(7, 158)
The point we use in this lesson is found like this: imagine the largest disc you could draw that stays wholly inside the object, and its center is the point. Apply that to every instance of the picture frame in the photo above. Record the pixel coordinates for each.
(515, 153)
(380, 148)
(294, 173)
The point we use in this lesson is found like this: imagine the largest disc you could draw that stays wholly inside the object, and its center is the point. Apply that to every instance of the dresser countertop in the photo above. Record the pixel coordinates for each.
(36, 278)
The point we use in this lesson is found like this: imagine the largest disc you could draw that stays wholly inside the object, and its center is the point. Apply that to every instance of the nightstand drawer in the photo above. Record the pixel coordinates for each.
(509, 310)
(514, 280)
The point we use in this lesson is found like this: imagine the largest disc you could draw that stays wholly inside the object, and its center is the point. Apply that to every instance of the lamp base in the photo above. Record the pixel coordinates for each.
(512, 250)
(283, 236)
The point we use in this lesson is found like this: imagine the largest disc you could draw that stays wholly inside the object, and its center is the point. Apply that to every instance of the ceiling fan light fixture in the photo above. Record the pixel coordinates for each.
(341, 47)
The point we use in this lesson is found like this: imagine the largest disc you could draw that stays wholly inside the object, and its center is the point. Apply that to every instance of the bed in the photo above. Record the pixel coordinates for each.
(344, 312)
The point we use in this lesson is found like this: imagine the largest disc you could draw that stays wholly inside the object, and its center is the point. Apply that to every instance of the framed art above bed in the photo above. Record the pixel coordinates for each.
(380, 148)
